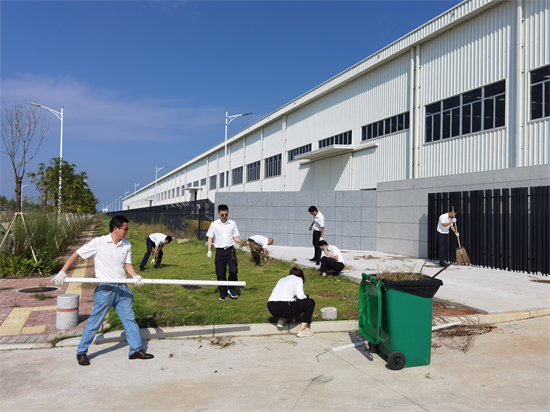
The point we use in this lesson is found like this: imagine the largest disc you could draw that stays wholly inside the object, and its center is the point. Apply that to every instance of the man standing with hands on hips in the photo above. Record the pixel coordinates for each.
(224, 232)
(112, 254)
(446, 220)
(318, 226)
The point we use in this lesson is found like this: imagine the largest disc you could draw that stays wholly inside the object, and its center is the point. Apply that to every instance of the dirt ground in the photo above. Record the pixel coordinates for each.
(443, 309)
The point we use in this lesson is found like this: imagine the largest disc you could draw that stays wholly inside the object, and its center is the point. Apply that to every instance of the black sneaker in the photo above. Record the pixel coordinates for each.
(142, 268)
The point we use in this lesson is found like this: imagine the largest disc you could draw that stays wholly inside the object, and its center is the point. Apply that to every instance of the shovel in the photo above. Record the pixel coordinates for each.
(461, 255)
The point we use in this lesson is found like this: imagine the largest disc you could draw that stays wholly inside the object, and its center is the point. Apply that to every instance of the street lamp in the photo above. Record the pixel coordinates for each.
(22, 186)
(119, 203)
(125, 193)
(135, 186)
(157, 170)
(229, 119)
(60, 117)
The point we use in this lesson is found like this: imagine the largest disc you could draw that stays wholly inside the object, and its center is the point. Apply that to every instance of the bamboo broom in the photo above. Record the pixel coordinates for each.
(461, 255)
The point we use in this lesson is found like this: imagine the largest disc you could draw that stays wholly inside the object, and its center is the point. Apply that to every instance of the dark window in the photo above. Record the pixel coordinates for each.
(394, 124)
(384, 126)
(253, 171)
(203, 182)
(213, 181)
(196, 183)
(465, 113)
(298, 151)
(222, 181)
(273, 166)
(237, 176)
(342, 138)
(387, 125)
(540, 93)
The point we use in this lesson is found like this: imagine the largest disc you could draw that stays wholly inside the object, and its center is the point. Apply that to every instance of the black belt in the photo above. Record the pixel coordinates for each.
(225, 248)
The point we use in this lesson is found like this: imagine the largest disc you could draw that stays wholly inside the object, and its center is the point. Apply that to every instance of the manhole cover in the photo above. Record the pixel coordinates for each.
(40, 289)
(191, 287)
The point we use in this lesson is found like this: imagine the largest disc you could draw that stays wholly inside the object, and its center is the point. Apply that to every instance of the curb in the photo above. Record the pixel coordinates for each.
(256, 329)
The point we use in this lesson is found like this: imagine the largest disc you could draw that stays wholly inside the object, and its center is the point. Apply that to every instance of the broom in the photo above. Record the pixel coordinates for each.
(461, 255)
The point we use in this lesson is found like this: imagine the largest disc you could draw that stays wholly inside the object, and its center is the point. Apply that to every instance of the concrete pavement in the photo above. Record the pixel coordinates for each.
(505, 370)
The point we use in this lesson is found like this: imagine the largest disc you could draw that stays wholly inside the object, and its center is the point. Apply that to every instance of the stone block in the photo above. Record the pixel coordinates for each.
(368, 214)
(350, 243)
(335, 229)
(335, 240)
(368, 243)
(281, 238)
(368, 229)
(290, 212)
(314, 199)
(351, 198)
(352, 214)
(67, 311)
(302, 240)
(368, 198)
(326, 198)
(280, 226)
(303, 199)
(328, 212)
(290, 240)
(351, 229)
(257, 212)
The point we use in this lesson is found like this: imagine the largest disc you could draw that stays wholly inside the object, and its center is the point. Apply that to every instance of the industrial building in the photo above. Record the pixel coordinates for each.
(466, 94)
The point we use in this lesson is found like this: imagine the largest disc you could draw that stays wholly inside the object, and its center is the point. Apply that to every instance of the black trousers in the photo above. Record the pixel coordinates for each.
(442, 246)
(255, 254)
(150, 247)
(226, 258)
(329, 263)
(288, 310)
(316, 236)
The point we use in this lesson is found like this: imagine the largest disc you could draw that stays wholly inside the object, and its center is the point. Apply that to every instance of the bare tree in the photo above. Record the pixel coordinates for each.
(19, 125)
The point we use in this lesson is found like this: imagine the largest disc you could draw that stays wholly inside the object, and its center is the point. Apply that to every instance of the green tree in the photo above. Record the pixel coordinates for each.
(6, 204)
(76, 196)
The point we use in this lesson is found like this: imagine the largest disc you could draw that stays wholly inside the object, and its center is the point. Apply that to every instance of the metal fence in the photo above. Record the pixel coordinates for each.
(500, 228)
(189, 218)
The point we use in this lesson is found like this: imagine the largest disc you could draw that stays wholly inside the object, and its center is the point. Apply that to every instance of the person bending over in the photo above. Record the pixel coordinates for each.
(288, 300)
(332, 259)
(259, 243)
(156, 240)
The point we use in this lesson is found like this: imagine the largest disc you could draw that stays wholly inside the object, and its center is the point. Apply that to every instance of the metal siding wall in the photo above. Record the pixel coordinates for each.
(377, 95)
(473, 153)
(470, 56)
(299, 178)
(537, 54)
(340, 172)
(253, 147)
(273, 139)
(236, 156)
(381, 164)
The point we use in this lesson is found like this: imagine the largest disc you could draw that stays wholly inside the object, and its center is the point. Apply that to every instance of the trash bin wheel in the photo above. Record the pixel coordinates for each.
(396, 361)
(373, 347)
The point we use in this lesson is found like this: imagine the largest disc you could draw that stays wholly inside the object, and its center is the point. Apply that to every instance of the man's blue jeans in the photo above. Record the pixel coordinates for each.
(120, 297)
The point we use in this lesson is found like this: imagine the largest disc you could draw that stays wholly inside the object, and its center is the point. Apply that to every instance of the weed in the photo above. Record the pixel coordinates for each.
(58, 339)
(41, 296)
(15, 305)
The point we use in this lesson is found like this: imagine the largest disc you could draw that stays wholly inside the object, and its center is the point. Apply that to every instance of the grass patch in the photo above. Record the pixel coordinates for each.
(174, 305)
(41, 296)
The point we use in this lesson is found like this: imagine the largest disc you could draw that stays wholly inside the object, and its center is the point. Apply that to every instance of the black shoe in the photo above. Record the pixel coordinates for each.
(157, 266)
(313, 260)
(140, 354)
(82, 359)
(142, 268)
(444, 264)
(317, 263)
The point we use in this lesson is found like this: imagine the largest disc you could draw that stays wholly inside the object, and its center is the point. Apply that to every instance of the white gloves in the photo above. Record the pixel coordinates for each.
(59, 278)
(209, 254)
(265, 259)
(152, 261)
(137, 278)
(321, 238)
(457, 234)
(453, 220)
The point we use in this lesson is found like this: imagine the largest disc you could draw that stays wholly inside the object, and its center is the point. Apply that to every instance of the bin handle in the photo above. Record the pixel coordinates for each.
(433, 277)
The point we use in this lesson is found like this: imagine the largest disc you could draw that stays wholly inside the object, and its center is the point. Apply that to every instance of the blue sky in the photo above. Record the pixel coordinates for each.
(147, 83)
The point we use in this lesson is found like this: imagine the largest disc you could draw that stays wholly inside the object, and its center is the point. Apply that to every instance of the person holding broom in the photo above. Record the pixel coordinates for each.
(445, 222)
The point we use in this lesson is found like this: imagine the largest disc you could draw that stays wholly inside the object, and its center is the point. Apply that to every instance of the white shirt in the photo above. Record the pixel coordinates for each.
(260, 240)
(157, 238)
(223, 234)
(335, 252)
(288, 289)
(109, 258)
(319, 222)
(444, 218)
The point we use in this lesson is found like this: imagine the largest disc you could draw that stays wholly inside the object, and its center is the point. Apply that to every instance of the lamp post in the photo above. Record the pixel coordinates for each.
(59, 115)
(119, 202)
(229, 119)
(135, 186)
(157, 169)
(22, 186)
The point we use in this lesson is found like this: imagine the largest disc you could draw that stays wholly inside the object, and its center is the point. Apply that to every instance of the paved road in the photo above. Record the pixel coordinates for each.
(505, 370)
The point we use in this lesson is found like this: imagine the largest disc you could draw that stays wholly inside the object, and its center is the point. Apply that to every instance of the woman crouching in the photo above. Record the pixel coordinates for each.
(288, 300)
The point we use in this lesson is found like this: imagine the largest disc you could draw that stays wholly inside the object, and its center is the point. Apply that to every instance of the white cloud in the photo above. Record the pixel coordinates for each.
(98, 114)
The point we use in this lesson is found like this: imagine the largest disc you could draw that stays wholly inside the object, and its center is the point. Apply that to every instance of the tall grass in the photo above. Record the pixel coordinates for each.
(49, 236)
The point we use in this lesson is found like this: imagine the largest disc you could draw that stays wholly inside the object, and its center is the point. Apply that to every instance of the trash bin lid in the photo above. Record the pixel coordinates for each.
(370, 308)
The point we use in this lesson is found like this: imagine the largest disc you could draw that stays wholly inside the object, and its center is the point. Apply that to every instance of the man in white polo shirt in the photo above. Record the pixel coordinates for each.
(262, 242)
(318, 226)
(156, 240)
(112, 254)
(445, 222)
(224, 233)
(332, 259)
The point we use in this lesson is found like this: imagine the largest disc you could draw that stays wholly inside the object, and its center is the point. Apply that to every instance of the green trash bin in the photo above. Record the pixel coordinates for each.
(396, 319)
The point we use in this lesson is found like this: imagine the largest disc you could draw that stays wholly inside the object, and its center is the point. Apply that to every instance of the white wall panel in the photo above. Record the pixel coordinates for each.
(273, 139)
(253, 147)
(473, 153)
(378, 95)
(299, 177)
(469, 56)
(384, 163)
(537, 33)
(537, 143)
(273, 184)
(236, 155)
